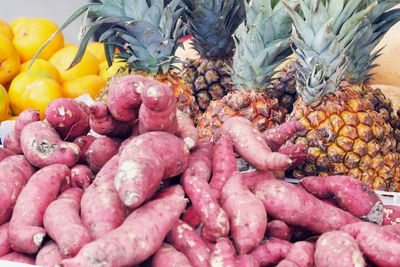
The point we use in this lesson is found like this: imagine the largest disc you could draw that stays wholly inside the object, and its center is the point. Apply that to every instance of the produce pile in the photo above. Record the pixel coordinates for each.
(171, 168)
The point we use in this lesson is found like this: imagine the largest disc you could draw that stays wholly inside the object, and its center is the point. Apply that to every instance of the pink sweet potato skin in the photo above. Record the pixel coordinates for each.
(18, 257)
(42, 146)
(139, 237)
(101, 209)
(186, 129)
(295, 206)
(185, 239)
(252, 178)
(377, 244)
(249, 144)
(337, 248)
(64, 225)
(279, 135)
(49, 255)
(25, 230)
(4, 153)
(100, 151)
(297, 153)
(81, 176)
(349, 193)
(84, 142)
(301, 254)
(279, 229)
(391, 215)
(69, 117)
(168, 256)
(271, 252)
(15, 172)
(223, 254)
(4, 244)
(248, 224)
(191, 217)
(246, 260)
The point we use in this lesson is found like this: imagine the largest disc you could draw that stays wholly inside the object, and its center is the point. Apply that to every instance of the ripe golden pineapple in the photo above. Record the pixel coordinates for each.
(344, 133)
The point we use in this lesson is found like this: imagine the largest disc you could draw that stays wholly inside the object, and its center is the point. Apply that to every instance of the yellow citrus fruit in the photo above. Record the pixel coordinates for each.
(6, 30)
(4, 103)
(31, 33)
(63, 58)
(9, 60)
(42, 65)
(97, 49)
(107, 72)
(68, 44)
(90, 84)
(33, 90)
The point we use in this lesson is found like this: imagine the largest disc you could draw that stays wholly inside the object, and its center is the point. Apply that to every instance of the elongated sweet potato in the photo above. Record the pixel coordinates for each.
(25, 231)
(246, 260)
(49, 255)
(101, 209)
(279, 135)
(139, 237)
(4, 153)
(191, 217)
(12, 140)
(81, 176)
(4, 244)
(349, 193)
(249, 144)
(377, 244)
(301, 254)
(391, 215)
(84, 143)
(252, 178)
(168, 256)
(186, 129)
(279, 229)
(293, 205)
(42, 146)
(18, 257)
(100, 151)
(223, 254)
(69, 117)
(185, 239)
(297, 153)
(271, 252)
(145, 161)
(248, 224)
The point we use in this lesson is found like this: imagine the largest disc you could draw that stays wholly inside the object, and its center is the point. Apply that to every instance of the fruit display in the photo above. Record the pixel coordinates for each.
(148, 172)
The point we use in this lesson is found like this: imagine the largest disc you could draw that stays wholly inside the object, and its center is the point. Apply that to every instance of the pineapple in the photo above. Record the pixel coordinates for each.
(262, 44)
(344, 134)
(211, 23)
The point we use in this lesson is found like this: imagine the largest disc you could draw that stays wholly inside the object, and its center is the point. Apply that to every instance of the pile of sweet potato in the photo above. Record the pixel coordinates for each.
(149, 193)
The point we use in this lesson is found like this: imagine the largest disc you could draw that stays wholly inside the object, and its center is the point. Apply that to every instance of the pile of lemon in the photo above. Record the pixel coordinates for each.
(49, 77)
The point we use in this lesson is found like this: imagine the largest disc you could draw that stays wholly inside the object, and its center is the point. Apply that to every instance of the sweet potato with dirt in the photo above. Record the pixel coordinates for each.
(69, 117)
(64, 225)
(145, 161)
(4, 153)
(301, 254)
(12, 140)
(277, 136)
(4, 244)
(100, 151)
(186, 129)
(279, 229)
(249, 144)
(168, 256)
(350, 194)
(337, 248)
(223, 254)
(246, 260)
(377, 244)
(25, 231)
(247, 215)
(185, 239)
(18, 257)
(84, 143)
(295, 206)
(271, 252)
(81, 176)
(158, 109)
(49, 255)
(101, 209)
(42, 146)
(139, 237)
(391, 215)
(103, 123)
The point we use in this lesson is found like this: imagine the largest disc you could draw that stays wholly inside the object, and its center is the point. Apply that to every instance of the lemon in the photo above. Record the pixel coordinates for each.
(42, 65)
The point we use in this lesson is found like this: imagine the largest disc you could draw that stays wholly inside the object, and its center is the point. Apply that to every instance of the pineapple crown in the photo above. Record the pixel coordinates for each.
(144, 31)
(212, 23)
(373, 28)
(262, 43)
(323, 33)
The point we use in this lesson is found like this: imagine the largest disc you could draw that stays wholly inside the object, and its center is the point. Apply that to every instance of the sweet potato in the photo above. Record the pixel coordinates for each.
(391, 215)
(279, 229)
(25, 231)
(186, 129)
(271, 252)
(4, 153)
(246, 213)
(168, 256)
(191, 217)
(124, 97)
(100, 151)
(4, 244)
(293, 205)
(18, 257)
(287, 263)
(224, 163)
(185, 239)
(81, 176)
(223, 254)
(84, 143)
(337, 248)
(300, 254)
(42, 146)
(15, 172)
(49, 255)
(144, 162)
(69, 117)
(63, 223)
(158, 109)
(249, 144)
(12, 140)
(350, 194)
(101, 209)
(252, 178)
(139, 237)
(377, 244)
(103, 123)
(280, 134)
(246, 260)
(297, 153)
